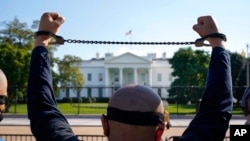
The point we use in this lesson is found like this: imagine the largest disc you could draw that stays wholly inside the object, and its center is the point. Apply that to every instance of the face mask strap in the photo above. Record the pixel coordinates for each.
(107, 123)
(135, 117)
(2, 99)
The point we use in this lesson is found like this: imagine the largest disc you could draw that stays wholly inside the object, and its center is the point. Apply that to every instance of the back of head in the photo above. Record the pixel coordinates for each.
(134, 113)
(136, 98)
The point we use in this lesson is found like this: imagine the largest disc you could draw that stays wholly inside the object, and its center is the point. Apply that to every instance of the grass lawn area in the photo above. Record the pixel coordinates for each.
(67, 108)
(100, 108)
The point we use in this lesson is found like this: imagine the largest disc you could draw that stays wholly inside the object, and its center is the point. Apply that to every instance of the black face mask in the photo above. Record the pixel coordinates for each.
(2, 101)
(1, 116)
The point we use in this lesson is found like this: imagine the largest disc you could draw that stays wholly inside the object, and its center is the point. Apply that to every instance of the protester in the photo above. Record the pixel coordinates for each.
(3, 93)
(215, 111)
(245, 104)
(135, 112)
(46, 121)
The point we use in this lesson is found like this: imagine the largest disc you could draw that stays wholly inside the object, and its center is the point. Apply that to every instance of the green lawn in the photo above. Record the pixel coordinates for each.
(100, 108)
(67, 108)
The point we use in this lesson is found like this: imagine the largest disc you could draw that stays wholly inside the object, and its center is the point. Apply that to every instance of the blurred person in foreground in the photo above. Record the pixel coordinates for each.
(3, 93)
(135, 112)
(245, 104)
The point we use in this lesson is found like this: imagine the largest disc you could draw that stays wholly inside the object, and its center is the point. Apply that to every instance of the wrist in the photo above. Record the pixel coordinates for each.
(216, 42)
(42, 40)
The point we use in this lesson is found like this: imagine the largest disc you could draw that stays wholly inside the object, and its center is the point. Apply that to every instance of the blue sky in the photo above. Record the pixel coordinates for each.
(159, 20)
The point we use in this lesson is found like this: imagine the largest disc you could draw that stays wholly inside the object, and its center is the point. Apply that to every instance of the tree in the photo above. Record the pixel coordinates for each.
(70, 75)
(190, 70)
(16, 41)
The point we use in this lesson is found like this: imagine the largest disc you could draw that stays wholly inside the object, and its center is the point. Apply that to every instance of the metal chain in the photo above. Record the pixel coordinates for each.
(60, 41)
(198, 42)
(127, 43)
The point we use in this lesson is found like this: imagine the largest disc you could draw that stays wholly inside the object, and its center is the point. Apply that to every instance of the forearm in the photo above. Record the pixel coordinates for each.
(218, 92)
(40, 92)
(212, 119)
(40, 80)
(47, 122)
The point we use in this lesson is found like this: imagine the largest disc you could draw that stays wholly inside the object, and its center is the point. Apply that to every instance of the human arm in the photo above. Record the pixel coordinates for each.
(248, 108)
(212, 120)
(245, 104)
(46, 121)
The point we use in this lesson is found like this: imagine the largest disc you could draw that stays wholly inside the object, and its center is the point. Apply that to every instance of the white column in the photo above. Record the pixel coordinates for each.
(121, 76)
(150, 77)
(107, 81)
(107, 76)
(135, 75)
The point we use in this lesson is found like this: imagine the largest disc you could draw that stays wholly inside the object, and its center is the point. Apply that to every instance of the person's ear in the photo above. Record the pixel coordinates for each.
(159, 131)
(105, 126)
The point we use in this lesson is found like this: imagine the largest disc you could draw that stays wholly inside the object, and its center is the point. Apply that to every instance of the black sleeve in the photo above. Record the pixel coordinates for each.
(46, 121)
(244, 101)
(212, 120)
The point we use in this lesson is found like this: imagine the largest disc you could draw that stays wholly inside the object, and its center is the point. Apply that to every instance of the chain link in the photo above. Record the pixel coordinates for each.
(127, 43)
(198, 42)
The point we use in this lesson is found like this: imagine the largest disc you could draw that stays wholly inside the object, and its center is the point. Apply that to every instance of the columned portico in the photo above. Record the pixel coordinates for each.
(122, 76)
(126, 69)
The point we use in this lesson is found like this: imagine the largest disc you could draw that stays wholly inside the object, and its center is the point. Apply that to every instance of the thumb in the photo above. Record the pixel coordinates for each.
(197, 28)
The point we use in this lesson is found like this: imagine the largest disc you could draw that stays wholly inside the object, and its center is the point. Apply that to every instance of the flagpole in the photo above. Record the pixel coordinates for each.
(131, 40)
(130, 37)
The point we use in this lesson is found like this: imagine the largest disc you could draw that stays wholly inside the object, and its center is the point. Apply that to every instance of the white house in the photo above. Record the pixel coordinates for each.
(105, 75)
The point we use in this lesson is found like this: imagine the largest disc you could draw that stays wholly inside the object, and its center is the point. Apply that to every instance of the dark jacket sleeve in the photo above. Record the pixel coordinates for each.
(244, 101)
(212, 120)
(46, 121)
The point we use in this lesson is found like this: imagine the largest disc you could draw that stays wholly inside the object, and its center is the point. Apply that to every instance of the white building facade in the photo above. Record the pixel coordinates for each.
(103, 76)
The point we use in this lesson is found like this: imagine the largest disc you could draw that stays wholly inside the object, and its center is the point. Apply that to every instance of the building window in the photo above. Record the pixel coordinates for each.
(89, 77)
(143, 77)
(100, 77)
(159, 77)
(89, 92)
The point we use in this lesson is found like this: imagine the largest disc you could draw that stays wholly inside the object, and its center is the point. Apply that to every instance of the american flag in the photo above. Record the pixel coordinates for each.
(128, 33)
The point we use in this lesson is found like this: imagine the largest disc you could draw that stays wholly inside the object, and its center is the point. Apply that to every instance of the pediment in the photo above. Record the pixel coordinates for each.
(128, 58)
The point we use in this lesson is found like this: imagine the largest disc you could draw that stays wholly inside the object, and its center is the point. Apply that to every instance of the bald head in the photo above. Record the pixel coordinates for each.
(135, 112)
(3, 84)
(136, 98)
